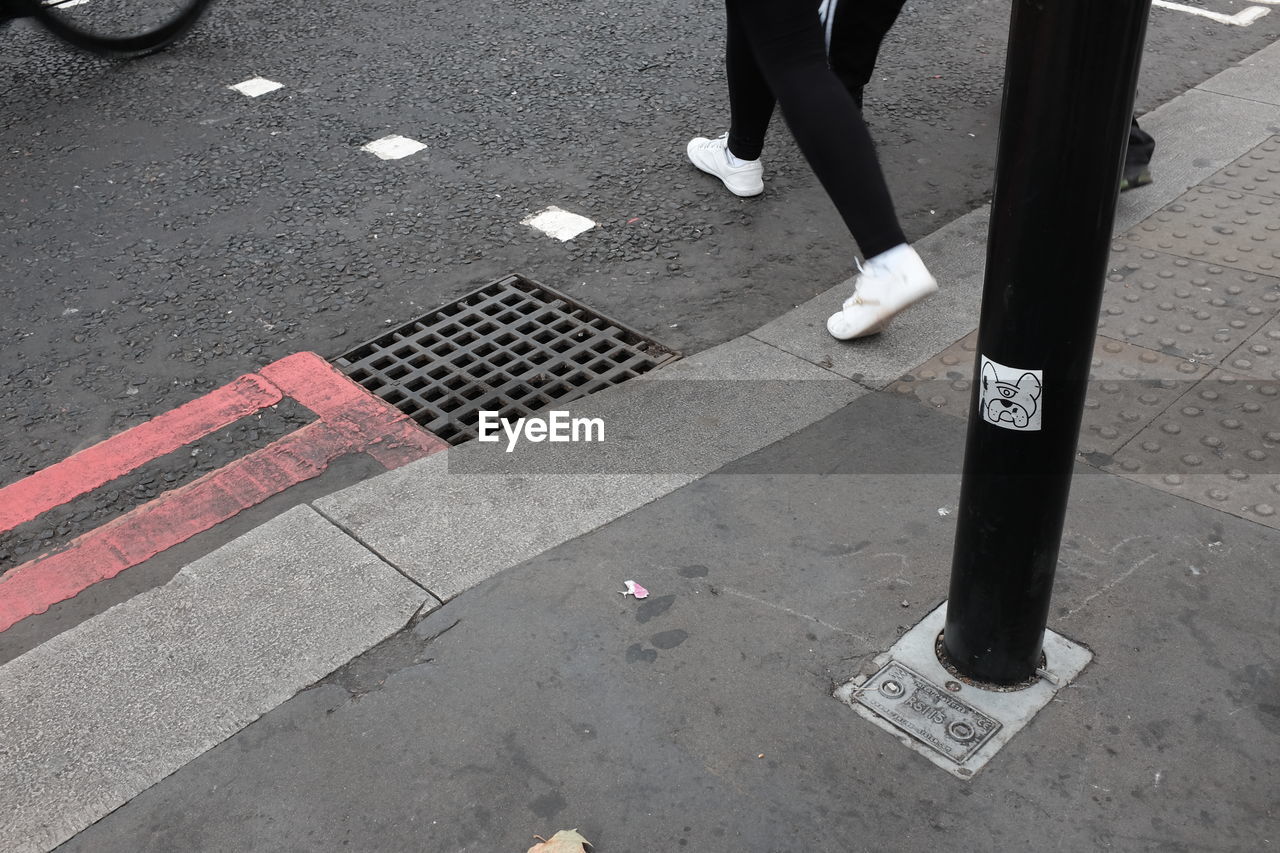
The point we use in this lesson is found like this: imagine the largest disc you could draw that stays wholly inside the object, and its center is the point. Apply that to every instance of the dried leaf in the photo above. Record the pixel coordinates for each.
(564, 841)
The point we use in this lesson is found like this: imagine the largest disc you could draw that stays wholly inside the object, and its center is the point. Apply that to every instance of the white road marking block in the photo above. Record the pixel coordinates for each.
(1243, 18)
(561, 224)
(393, 147)
(67, 4)
(256, 86)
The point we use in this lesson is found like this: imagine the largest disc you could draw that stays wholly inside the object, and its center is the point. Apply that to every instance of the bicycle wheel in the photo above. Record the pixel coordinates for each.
(119, 27)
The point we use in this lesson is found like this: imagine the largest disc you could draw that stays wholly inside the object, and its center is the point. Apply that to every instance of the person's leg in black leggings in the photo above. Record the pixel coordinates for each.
(751, 101)
(857, 30)
(776, 50)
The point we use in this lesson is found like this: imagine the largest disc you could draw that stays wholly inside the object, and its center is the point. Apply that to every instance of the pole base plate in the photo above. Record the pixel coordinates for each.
(957, 726)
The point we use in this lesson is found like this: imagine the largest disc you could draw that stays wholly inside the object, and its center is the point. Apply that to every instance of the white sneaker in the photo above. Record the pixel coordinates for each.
(712, 157)
(889, 282)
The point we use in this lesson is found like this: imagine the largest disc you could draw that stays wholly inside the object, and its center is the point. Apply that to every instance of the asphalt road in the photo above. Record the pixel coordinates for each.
(161, 234)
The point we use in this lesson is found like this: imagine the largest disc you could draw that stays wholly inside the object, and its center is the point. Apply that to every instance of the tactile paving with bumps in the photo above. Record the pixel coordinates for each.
(1185, 383)
(1129, 386)
(1219, 445)
(1259, 355)
(1256, 173)
(1218, 226)
(944, 382)
(1183, 307)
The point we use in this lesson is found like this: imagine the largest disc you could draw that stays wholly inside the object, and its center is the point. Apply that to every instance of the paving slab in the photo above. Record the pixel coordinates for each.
(1219, 445)
(1182, 307)
(1221, 227)
(1256, 173)
(476, 509)
(1259, 355)
(955, 254)
(1129, 387)
(703, 717)
(1256, 78)
(101, 712)
(1197, 134)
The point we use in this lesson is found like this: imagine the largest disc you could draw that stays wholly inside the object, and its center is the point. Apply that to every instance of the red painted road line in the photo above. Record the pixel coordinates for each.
(116, 456)
(352, 421)
(318, 385)
(164, 522)
(403, 441)
(387, 434)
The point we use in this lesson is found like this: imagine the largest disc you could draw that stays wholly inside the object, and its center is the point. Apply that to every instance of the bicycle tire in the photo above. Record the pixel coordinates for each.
(121, 46)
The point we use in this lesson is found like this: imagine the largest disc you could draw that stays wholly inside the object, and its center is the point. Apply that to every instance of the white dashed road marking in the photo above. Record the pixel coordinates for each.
(256, 86)
(393, 147)
(561, 224)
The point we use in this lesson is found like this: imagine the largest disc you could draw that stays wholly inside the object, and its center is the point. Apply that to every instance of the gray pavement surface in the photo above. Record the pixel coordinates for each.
(702, 718)
(97, 714)
(451, 520)
(31, 632)
(537, 698)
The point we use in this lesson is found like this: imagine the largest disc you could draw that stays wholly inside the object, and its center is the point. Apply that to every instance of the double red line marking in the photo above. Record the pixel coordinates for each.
(349, 420)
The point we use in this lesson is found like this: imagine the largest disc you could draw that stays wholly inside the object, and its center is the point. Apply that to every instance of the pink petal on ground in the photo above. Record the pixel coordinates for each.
(635, 589)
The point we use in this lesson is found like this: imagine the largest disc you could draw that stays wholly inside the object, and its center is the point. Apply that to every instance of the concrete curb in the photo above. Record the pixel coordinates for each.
(475, 510)
(102, 712)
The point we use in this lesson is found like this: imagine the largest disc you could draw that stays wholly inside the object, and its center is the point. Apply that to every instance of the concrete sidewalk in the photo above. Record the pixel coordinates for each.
(788, 501)
(702, 717)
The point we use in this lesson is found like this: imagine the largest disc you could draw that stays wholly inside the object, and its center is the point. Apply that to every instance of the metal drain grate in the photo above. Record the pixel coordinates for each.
(513, 346)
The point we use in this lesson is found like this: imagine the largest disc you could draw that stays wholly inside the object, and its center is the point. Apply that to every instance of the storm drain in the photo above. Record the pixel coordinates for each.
(513, 346)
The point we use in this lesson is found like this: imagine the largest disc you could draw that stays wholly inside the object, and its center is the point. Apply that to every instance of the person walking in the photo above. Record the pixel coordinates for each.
(776, 56)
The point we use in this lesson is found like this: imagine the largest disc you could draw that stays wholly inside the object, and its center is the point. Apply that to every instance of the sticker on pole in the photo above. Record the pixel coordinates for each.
(1010, 397)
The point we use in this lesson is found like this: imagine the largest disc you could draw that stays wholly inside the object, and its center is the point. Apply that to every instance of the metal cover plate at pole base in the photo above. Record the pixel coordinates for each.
(926, 711)
(958, 726)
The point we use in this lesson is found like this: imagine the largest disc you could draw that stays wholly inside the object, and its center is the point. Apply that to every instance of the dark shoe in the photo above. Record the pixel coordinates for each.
(1138, 175)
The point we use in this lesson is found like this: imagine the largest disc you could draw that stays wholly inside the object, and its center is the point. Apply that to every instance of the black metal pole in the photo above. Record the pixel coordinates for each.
(1070, 76)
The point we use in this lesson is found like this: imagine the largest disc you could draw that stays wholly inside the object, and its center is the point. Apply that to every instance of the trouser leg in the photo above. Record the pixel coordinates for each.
(751, 100)
(857, 31)
(1141, 146)
(786, 41)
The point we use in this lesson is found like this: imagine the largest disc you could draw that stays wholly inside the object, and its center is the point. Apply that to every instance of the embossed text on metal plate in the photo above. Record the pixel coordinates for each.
(926, 711)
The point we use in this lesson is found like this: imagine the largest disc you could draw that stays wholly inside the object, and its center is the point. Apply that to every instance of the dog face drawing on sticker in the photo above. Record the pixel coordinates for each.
(1011, 402)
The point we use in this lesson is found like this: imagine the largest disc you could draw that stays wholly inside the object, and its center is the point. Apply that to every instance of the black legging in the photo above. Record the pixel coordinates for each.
(857, 31)
(776, 54)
